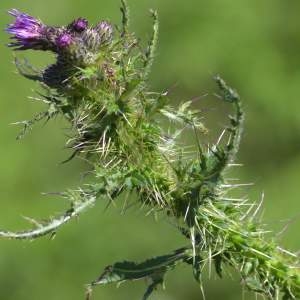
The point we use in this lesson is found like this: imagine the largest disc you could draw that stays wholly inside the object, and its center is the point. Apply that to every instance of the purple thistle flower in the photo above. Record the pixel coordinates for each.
(79, 25)
(27, 31)
(64, 40)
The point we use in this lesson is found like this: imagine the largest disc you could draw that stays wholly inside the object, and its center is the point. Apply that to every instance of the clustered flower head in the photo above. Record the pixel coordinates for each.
(76, 45)
(30, 33)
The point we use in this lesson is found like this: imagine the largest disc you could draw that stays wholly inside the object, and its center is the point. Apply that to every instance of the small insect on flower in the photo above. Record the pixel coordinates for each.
(28, 32)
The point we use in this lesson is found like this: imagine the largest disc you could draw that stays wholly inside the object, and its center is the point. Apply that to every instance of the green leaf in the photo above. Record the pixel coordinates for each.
(130, 90)
(154, 268)
(253, 284)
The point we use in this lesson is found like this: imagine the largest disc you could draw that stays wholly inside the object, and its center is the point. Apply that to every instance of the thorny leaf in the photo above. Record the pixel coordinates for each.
(154, 269)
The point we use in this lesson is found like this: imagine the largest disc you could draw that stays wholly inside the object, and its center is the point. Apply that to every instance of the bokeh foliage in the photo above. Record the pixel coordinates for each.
(253, 45)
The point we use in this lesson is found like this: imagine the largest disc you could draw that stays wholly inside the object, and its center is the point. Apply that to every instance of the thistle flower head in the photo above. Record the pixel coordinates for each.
(79, 25)
(30, 33)
(27, 31)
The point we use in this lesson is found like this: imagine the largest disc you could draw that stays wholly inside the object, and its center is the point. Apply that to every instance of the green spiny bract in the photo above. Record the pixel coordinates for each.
(99, 84)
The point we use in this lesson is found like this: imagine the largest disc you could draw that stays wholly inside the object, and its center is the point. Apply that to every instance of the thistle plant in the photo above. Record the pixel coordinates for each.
(132, 139)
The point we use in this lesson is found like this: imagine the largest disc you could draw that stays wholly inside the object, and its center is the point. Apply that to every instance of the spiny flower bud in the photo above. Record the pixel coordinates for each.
(64, 40)
(105, 30)
(28, 32)
(79, 25)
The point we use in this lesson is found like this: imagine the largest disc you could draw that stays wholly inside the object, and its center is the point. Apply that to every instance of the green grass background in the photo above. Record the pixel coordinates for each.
(253, 44)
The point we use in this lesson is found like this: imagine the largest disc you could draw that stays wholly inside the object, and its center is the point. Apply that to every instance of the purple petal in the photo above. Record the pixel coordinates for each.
(26, 30)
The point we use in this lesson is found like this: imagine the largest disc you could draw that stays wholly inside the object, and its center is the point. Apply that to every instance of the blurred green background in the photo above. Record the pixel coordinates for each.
(253, 44)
